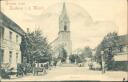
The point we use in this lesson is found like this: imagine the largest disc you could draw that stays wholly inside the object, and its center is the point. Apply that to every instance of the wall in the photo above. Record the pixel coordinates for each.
(11, 45)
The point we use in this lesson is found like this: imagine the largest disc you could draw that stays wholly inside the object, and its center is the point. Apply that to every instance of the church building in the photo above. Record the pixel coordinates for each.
(63, 41)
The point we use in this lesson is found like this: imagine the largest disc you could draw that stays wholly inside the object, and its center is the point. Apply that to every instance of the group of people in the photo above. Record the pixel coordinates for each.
(40, 67)
(21, 69)
(34, 68)
(25, 68)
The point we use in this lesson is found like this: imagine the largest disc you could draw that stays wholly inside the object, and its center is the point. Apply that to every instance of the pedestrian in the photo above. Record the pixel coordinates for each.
(25, 69)
(33, 68)
(36, 68)
(44, 70)
(19, 70)
(55, 62)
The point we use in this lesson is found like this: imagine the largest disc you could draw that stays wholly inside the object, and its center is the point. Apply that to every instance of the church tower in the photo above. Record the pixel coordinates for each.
(64, 31)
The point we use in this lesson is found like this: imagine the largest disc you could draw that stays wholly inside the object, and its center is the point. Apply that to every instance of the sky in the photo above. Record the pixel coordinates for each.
(90, 20)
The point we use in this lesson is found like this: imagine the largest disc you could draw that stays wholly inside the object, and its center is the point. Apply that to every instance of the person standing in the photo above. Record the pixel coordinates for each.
(33, 68)
(44, 69)
(36, 68)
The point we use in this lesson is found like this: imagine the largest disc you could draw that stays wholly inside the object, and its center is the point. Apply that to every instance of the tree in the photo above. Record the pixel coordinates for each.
(98, 54)
(72, 58)
(87, 52)
(83, 53)
(108, 45)
(35, 46)
(63, 54)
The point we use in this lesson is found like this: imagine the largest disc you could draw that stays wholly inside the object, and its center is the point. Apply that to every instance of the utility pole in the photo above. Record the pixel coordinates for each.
(103, 62)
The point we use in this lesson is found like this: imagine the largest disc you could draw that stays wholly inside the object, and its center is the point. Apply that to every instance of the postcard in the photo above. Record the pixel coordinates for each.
(63, 40)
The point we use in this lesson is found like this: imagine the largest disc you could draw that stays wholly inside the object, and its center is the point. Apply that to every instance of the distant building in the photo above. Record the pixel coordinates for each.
(122, 54)
(10, 40)
(121, 57)
(63, 40)
(124, 43)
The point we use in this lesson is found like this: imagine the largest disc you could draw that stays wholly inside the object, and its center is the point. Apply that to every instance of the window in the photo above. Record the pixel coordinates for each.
(10, 57)
(65, 28)
(1, 55)
(10, 35)
(16, 38)
(1, 35)
(16, 57)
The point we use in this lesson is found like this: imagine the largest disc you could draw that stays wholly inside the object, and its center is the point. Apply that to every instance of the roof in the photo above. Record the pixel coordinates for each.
(7, 22)
(51, 43)
(123, 39)
(64, 14)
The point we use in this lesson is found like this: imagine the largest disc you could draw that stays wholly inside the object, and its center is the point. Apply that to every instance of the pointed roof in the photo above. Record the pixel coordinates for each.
(64, 12)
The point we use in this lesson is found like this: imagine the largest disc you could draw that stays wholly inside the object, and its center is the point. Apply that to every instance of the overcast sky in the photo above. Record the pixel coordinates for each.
(90, 20)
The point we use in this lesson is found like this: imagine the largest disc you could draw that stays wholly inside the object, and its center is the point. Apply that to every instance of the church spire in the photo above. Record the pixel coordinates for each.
(64, 13)
(64, 9)
(64, 16)
(64, 22)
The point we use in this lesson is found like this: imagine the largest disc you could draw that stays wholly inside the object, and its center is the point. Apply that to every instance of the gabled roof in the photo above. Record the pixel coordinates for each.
(7, 22)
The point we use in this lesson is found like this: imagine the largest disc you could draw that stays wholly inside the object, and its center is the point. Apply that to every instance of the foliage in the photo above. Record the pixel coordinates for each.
(120, 66)
(79, 59)
(82, 54)
(63, 55)
(35, 46)
(72, 58)
(87, 52)
(19, 69)
(108, 45)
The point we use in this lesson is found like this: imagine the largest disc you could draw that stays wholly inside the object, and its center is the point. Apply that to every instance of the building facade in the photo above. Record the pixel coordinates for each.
(64, 38)
(10, 40)
(122, 54)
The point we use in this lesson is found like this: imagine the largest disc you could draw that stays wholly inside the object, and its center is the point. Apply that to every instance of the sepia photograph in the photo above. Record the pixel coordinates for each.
(63, 40)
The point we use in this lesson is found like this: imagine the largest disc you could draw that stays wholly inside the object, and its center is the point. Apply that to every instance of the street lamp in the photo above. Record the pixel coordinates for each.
(103, 62)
